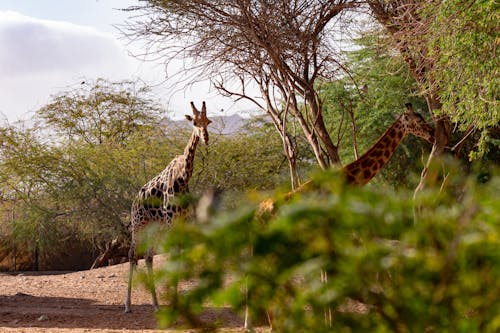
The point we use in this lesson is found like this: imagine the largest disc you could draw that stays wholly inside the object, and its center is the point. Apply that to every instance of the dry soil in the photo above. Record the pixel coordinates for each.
(86, 301)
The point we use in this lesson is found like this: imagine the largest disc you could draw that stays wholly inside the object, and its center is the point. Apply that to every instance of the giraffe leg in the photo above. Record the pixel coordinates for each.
(327, 311)
(149, 265)
(133, 263)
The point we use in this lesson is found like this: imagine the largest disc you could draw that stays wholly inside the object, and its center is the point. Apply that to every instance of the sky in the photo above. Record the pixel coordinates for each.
(50, 46)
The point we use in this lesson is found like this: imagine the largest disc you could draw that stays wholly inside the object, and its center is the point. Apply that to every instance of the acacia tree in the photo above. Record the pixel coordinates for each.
(99, 111)
(282, 47)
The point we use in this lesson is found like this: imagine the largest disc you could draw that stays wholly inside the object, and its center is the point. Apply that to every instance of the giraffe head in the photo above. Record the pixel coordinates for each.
(415, 124)
(200, 121)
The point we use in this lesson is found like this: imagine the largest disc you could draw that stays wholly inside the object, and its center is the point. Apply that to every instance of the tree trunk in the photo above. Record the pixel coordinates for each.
(318, 125)
(331, 149)
(14, 258)
(36, 255)
(291, 155)
(14, 245)
(292, 165)
(311, 138)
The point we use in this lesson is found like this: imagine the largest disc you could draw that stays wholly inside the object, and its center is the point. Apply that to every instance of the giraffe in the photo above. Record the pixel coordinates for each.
(361, 171)
(154, 203)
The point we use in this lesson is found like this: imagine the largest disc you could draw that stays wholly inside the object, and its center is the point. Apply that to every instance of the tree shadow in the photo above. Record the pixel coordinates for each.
(23, 310)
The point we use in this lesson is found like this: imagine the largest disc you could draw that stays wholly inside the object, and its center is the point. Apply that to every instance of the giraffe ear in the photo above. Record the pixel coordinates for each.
(188, 117)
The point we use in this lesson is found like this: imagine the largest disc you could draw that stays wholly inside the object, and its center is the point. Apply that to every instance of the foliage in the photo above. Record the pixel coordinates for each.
(72, 175)
(27, 186)
(450, 49)
(386, 270)
(101, 111)
(464, 39)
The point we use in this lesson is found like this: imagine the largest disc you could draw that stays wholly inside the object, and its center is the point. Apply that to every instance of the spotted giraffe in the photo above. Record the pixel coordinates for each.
(369, 164)
(155, 201)
(361, 171)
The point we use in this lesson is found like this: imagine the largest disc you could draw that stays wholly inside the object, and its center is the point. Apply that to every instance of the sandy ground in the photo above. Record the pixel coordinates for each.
(86, 301)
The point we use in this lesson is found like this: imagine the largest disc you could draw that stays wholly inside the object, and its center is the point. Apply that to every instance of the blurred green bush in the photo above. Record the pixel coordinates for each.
(394, 264)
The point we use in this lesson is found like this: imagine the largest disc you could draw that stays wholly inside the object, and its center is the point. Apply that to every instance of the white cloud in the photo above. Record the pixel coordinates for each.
(39, 57)
(33, 46)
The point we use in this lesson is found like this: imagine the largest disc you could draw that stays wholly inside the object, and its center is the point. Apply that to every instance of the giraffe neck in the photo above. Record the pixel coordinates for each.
(369, 164)
(189, 152)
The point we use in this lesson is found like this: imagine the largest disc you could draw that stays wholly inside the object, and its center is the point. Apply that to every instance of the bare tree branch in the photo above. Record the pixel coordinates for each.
(282, 45)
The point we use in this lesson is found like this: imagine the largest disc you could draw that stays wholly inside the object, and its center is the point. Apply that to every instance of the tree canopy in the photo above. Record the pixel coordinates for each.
(464, 40)
(438, 41)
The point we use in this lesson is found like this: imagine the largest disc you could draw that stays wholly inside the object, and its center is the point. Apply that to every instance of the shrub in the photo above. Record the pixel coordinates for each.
(387, 270)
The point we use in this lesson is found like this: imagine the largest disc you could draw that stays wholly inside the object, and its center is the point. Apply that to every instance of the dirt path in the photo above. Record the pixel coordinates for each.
(86, 301)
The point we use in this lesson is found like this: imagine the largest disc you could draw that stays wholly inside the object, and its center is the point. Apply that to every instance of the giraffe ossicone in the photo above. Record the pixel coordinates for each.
(155, 201)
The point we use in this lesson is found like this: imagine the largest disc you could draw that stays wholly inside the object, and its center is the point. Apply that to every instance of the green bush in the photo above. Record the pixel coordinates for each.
(387, 269)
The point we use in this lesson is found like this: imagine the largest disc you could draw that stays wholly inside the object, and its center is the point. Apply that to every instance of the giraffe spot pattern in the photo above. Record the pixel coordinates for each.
(366, 163)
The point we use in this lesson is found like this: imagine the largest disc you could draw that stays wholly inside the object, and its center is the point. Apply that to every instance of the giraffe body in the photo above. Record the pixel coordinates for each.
(155, 202)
